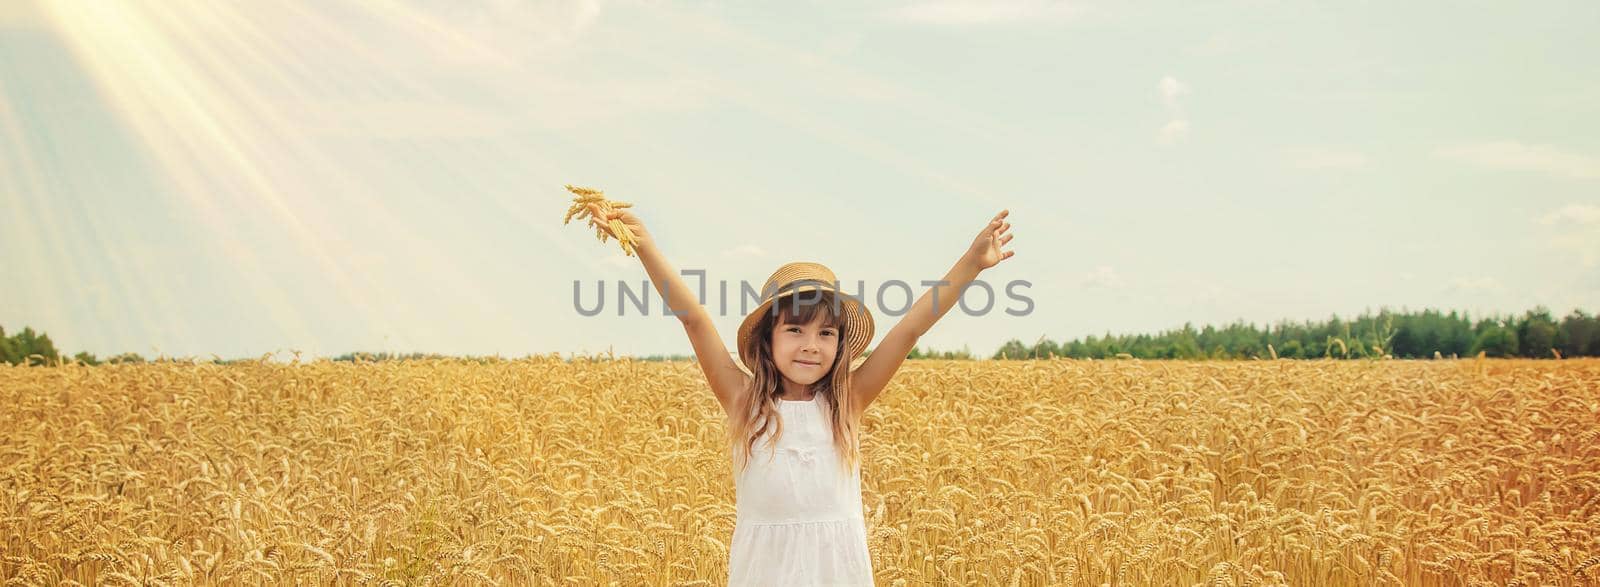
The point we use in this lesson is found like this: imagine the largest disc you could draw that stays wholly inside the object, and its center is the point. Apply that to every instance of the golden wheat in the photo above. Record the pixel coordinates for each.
(596, 470)
(583, 198)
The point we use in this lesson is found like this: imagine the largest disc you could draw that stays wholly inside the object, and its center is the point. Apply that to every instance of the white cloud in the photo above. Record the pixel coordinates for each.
(1583, 214)
(1177, 128)
(977, 12)
(1581, 238)
(1519, 156)
(1103, 276)
(744, 251)
(1321, 159)
(1174, 131)
(1171, 89)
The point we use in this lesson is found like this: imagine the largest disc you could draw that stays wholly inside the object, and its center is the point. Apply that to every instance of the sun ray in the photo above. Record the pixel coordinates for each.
(175, 116)
(226, 106)
(175, 76)
(33, 231)
(238, 52)
(33, 173)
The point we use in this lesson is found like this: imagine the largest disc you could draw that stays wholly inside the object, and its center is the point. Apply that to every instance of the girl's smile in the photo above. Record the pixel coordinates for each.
(804, 353)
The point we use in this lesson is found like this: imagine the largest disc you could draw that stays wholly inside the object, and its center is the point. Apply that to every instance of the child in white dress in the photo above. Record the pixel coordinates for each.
(794, 412)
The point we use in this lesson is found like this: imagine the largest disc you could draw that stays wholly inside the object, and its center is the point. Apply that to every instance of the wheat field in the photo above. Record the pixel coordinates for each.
(611, 471)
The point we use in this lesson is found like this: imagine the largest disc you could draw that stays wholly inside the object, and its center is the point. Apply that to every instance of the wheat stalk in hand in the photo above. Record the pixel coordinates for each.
(581, 208)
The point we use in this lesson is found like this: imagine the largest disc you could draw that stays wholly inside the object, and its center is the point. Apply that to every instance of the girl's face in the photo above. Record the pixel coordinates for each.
(804, 353)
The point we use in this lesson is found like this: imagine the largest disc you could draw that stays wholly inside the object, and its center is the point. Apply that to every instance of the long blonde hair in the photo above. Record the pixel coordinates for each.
(766, 384)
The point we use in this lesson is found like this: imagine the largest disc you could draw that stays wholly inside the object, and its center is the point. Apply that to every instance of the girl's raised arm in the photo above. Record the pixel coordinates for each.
(869, 380)
(724, 376)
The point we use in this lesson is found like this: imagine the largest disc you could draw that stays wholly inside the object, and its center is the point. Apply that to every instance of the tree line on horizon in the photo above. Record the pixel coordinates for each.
(1425, 334)
(36, 348)
(1403, 335)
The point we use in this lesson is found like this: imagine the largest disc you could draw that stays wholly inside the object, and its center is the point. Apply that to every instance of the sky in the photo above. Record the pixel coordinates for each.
(193, 178)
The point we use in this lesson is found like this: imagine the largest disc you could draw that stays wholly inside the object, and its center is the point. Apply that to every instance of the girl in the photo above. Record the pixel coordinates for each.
(799, 512)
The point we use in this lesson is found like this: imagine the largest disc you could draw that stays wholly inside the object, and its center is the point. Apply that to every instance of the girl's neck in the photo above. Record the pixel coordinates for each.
(795, 392)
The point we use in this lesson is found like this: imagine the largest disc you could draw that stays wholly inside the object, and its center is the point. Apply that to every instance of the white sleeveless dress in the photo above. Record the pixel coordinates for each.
(799, 518)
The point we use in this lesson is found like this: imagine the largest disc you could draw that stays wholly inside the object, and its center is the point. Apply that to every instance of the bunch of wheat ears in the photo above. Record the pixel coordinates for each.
(581, 200)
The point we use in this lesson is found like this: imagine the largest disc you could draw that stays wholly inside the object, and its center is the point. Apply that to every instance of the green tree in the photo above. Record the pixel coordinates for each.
(27, 343)
(1537, 332)
(1403, 334)
(1496, 341)
(1012, 349)
(8, 349)
(46, 350)
(1580, 335)
(1044, 349)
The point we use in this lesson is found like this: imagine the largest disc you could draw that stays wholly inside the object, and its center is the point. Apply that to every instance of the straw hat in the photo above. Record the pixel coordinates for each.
(803, 277)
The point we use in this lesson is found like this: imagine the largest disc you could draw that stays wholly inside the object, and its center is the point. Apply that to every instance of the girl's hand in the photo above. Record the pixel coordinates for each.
(986, 249)
(628, 218)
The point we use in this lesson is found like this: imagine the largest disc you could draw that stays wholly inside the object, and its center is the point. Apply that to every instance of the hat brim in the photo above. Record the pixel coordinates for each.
(859, 324)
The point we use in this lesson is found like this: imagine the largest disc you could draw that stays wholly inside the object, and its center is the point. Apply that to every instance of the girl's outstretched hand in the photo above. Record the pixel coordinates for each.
(987, 250)
(628, 218)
